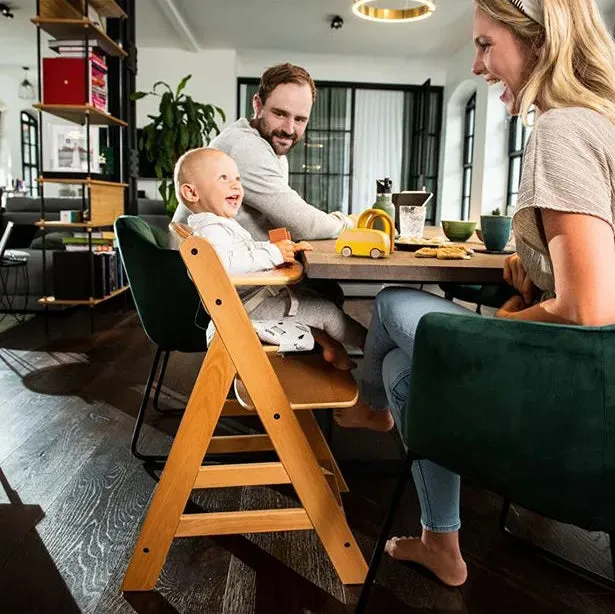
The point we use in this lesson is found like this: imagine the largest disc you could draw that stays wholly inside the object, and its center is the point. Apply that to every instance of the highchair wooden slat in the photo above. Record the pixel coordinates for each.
(305, 459)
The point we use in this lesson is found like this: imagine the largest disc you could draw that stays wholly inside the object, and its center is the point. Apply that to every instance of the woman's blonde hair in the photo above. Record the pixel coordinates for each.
(576, 55)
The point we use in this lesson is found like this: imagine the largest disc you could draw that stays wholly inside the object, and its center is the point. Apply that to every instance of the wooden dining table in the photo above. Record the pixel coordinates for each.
(404, 266)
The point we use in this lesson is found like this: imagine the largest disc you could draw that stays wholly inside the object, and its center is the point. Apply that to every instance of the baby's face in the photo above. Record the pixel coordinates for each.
(218, 185)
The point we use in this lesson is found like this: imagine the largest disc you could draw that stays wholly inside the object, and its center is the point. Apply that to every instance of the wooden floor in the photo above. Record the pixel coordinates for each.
(72, 498)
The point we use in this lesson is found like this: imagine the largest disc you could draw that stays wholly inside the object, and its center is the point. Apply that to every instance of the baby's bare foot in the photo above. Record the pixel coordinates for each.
(363, 416)
(448, 567)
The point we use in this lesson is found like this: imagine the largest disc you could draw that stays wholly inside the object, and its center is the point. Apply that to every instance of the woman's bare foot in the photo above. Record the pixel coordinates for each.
(444, 560)
(361, 416)
(333, 351)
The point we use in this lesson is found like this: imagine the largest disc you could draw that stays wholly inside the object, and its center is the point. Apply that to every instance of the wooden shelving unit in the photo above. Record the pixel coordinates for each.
(76, 28)
(50, 300)
(103, 200)
(81, 114)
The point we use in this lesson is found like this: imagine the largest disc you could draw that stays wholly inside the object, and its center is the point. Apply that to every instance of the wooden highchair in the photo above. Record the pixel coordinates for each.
(282, 391)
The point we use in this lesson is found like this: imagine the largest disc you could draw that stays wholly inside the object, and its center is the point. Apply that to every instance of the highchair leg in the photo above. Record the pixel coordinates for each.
(177, 480)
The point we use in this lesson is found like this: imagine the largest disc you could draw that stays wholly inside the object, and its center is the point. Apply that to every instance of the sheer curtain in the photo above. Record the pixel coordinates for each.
(378, 143)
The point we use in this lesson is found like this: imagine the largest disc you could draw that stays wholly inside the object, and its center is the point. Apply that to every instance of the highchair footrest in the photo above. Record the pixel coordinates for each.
(308, 382)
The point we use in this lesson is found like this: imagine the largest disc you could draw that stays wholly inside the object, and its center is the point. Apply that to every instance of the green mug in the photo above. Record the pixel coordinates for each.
(496, 231)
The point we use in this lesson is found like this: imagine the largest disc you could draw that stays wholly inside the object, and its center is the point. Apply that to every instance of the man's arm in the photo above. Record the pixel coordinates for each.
(267, 190)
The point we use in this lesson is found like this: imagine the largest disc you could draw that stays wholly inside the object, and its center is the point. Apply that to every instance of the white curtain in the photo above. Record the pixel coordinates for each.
(378, 141)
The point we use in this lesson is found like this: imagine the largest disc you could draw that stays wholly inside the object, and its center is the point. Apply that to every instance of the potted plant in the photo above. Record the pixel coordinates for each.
(181, 124)
(495, 230)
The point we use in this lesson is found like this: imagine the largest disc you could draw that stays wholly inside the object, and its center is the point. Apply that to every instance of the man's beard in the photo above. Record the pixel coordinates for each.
(268, 135)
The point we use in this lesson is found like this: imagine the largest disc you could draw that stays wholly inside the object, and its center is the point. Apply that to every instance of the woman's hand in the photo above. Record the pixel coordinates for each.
(512, 305)
(287, 248)
(515, 275)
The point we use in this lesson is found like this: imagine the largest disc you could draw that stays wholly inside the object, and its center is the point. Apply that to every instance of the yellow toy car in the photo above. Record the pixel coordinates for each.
(364, 240)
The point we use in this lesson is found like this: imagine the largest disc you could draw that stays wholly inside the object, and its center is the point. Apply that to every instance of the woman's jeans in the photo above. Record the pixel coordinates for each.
(384, 381)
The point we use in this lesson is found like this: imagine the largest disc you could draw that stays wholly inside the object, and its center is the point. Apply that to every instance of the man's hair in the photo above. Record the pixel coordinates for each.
(576, 54)
(281, 74)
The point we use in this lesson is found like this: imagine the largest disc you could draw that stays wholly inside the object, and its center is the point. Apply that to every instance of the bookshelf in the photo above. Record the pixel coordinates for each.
(87, 35)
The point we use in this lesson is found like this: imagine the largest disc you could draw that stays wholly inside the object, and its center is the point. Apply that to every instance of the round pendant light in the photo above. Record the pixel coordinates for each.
(415, 10)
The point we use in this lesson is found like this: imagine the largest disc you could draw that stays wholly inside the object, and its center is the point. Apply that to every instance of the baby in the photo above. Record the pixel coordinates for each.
(207, 182)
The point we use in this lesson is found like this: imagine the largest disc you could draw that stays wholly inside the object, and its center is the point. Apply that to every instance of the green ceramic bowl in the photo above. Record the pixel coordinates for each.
(458, 230)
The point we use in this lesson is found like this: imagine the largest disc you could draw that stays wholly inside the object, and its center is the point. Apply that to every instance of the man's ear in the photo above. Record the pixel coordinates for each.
(188, 193)
(257, 105)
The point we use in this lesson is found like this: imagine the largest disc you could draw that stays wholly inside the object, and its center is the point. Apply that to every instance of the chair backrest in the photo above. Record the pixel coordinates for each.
(165, 297)
(525, 409)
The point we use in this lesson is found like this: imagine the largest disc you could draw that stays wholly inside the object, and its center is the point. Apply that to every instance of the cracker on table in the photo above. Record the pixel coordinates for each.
(426, 252)
(452, 253)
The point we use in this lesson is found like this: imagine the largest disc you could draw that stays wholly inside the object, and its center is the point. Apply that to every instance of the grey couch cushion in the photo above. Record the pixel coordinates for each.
(154, 213)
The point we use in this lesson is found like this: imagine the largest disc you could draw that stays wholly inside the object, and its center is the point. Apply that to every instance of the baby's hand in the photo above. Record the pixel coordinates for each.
(287, 248)
(303, 246)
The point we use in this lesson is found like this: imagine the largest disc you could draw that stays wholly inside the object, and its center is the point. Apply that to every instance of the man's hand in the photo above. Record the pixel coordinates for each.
(303, 246)
(515, 275)
(287, 248)
(512, 305)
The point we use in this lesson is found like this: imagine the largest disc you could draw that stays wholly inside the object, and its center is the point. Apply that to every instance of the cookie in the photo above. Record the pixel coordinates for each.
(452, 253)
(426, 252)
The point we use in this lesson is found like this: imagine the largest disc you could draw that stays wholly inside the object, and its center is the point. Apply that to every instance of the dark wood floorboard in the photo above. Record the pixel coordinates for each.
(72, 499)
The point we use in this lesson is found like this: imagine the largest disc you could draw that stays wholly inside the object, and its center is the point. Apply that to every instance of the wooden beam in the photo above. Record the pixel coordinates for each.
(239, 443)
(235, 523)
(253, 474)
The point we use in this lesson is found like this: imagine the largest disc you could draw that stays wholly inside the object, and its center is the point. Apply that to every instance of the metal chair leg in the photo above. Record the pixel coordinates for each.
(141, 415)
(163, 370)
(384, 535)
(579, 570)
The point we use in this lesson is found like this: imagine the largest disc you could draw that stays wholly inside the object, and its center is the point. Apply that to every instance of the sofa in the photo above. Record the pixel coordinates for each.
(24, 212)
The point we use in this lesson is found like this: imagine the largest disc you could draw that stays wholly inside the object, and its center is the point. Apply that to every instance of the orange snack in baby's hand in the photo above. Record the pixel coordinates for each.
(279, 234)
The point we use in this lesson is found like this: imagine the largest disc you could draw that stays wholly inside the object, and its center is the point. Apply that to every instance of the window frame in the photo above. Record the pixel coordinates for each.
(518, 132)
(27, 122)
(437, 92)
(467, 156)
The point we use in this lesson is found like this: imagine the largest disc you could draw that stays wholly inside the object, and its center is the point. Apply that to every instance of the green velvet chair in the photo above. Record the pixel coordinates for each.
(167, 303)
(525, 409)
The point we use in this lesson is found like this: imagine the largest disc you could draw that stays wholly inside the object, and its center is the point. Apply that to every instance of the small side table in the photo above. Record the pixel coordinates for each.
(12, 271)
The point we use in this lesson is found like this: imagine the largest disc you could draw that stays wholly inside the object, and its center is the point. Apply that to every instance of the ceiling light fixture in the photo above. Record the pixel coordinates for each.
(26, 89)
(415, 10)
(6, 11)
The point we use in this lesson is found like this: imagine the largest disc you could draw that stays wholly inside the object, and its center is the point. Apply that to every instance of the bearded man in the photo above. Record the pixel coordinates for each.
(259, 146)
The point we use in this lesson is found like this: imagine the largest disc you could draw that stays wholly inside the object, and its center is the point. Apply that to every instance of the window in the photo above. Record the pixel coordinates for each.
(517, 138)
(352, 127)
(29, 152)
(468, 156)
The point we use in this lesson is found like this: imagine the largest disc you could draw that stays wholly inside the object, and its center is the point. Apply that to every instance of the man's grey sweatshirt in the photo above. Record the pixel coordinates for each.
(269, 201)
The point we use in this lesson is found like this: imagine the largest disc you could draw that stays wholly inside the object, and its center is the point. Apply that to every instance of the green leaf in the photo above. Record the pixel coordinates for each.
(162, 189)
(162, 83)
(182, 85)
(222, 115)
(139, 95)
(166, 109)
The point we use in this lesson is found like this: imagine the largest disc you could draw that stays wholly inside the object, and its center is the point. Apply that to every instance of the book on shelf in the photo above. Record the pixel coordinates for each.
(71, 274)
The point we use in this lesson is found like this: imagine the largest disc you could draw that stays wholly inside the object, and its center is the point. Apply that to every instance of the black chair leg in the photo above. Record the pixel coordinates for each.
(136, 434)
(578, 570)
(384, 535)
(163, 370)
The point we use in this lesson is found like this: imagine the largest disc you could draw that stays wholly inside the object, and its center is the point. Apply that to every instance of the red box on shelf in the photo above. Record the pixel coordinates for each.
(64, 82)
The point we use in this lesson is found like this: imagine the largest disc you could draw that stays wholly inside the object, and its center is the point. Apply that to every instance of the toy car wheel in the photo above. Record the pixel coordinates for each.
(375, 253)
(346, 251)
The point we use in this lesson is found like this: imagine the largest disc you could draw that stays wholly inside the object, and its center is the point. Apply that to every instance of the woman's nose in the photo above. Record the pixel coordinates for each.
(478, 67)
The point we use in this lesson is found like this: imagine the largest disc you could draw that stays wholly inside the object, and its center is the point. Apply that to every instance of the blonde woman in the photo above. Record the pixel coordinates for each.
(558, 56)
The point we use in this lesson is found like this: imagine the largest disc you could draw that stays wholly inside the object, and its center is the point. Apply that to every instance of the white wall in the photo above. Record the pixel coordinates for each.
(214, 81)
(490, 164)
(365, 69)
(11, 106)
